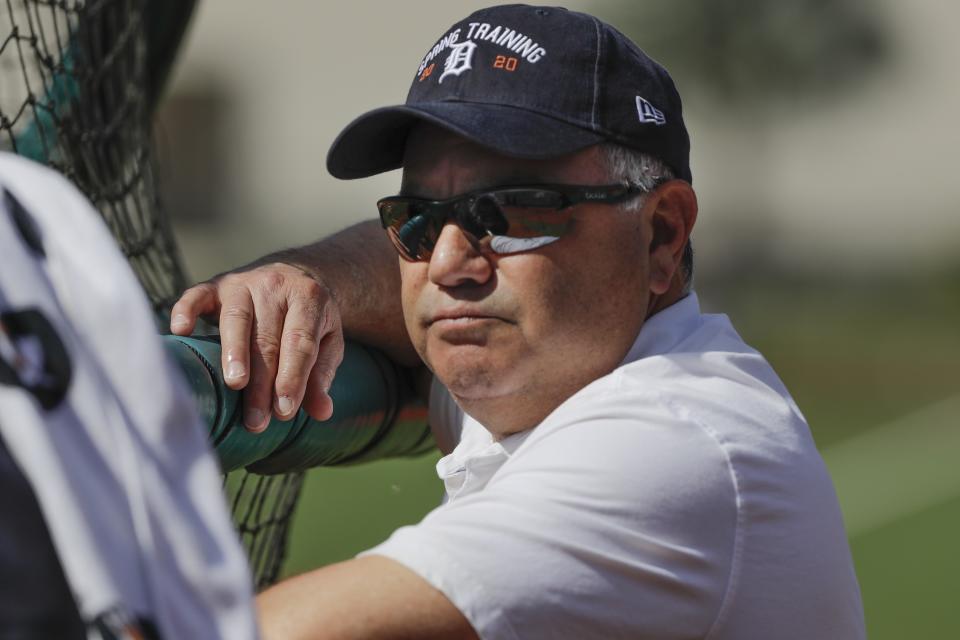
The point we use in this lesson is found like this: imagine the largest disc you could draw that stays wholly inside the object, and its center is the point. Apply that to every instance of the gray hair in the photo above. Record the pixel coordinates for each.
(646, 171)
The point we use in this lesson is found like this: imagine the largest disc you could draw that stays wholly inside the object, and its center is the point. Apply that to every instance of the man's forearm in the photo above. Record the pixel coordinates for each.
(359, 266)
(369, 598)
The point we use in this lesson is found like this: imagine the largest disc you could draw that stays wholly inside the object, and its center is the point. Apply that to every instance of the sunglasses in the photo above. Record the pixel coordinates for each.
(513, 219)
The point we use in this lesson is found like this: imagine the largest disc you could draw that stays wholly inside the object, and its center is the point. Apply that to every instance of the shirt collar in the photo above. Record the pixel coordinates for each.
(667, 328)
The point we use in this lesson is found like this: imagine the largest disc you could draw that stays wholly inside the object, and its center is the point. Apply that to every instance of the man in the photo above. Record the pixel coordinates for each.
(618, 464)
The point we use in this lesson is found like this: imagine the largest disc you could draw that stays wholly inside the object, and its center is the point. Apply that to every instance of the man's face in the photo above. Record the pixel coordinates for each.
(512, 336)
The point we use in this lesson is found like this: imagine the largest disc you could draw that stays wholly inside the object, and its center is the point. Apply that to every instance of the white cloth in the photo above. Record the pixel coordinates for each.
(124, 478)
(680, 496)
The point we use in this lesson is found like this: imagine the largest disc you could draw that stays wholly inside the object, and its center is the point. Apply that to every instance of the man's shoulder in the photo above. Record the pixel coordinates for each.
(707, 374)
(703, 376)
(706, 422)
(629, 446)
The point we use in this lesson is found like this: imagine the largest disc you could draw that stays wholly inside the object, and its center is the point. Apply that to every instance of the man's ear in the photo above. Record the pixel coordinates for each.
(673, 214)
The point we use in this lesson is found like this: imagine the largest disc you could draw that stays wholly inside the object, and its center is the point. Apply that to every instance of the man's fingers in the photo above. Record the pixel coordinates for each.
(196, 301)
(280, 335)
(303, 329)
(317, 400)
(236, 323)
(264, 355)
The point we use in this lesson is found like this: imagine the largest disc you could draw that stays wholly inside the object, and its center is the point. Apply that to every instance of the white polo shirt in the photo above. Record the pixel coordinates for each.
(680, 496)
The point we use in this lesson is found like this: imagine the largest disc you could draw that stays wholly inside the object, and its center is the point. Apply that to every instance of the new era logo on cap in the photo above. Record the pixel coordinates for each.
(649, 113)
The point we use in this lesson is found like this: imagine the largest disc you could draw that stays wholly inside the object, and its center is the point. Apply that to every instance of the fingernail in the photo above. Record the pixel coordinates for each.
(254, 419)
(178, 321)
(235, 370)
(285, 405)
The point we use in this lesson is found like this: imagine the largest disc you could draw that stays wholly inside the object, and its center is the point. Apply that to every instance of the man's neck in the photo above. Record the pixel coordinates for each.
(676, 293)
(505, 416)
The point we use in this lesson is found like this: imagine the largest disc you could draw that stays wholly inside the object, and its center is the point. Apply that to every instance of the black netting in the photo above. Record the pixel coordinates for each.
(72, 95)
(77, 82)
(262, 507)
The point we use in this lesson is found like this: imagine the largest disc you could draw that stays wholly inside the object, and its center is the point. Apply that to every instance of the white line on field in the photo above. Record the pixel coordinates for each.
(899, 468)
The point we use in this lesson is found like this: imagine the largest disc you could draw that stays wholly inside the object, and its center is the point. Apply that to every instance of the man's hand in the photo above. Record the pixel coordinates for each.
(281, 335)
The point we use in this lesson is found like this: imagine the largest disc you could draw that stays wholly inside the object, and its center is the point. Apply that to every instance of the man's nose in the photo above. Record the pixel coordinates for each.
(457, 259)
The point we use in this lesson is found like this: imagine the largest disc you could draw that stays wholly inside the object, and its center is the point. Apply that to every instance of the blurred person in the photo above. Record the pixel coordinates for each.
(112, 517)
(617, 463)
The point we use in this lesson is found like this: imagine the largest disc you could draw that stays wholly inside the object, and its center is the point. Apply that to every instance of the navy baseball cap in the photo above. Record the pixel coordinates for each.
(529, 82)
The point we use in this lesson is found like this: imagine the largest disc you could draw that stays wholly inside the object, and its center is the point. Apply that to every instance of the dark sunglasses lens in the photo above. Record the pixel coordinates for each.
(532, 218)
(416, 237)
(485, 218)
(411, 229)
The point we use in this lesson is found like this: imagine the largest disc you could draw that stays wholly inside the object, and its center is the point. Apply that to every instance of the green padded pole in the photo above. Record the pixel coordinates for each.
(375, 414)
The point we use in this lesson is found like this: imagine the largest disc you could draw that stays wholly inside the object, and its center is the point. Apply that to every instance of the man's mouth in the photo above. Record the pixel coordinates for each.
(453, 317)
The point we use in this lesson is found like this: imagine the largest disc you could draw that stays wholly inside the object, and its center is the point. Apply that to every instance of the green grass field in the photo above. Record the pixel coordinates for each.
(865, 362)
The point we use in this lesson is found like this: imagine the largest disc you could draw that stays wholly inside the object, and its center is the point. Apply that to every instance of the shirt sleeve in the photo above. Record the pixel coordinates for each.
(616, 522)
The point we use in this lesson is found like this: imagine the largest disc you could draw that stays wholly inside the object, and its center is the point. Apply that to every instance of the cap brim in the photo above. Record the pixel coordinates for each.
(374, 142)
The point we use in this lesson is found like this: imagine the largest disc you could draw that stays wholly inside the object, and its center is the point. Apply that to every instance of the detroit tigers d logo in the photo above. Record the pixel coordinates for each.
(459, 60)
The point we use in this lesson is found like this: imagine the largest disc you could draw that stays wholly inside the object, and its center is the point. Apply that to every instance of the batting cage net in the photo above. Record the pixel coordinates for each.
(78, 83)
